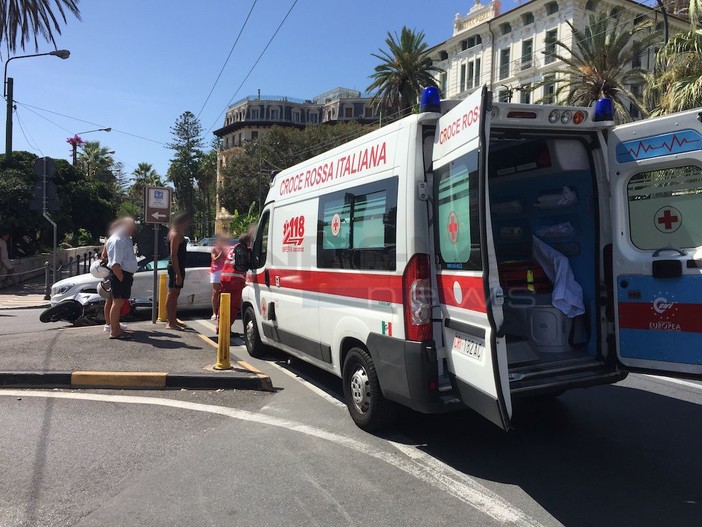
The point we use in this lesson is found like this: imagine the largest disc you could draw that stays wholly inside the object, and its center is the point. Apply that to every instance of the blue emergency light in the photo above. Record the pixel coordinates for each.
(430, 100)
(604, 110)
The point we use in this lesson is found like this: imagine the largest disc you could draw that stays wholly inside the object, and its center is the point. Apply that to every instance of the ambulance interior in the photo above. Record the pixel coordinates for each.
(544, 221)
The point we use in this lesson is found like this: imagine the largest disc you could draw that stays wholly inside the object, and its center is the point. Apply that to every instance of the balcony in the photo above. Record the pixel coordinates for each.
(526, 62)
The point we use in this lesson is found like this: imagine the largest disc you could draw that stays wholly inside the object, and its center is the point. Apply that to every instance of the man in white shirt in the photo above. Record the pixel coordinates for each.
(122, 263)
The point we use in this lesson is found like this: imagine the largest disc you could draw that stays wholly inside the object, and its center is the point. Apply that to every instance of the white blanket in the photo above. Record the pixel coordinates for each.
(567, 293)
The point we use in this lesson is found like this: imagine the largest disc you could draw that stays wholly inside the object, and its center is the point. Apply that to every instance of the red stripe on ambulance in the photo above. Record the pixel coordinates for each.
(367, 286)
(677, 317)
(462, 291)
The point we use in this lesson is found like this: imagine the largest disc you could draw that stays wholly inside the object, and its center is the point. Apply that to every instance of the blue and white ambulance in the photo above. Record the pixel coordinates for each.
(478, 252)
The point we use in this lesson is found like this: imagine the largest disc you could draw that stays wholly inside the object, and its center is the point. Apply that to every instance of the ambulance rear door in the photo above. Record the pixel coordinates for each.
(466, 272)
(655, 168)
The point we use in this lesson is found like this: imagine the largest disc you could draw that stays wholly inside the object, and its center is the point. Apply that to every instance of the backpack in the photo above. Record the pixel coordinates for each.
(242, 258)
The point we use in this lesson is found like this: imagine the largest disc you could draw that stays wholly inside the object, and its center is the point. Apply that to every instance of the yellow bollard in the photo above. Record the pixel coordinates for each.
(162, 293)
(224, 333)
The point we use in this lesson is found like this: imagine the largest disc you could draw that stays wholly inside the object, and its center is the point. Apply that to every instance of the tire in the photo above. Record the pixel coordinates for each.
(252, 339)
(69, 310)
(364, 399)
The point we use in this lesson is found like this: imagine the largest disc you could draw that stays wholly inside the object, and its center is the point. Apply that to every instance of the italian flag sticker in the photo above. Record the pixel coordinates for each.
(387, 328)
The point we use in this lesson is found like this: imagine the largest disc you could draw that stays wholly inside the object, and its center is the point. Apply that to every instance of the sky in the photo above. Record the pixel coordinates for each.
(136, 65)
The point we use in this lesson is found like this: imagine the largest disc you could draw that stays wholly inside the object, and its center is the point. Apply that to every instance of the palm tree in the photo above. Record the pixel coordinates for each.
(96, 161)
(678, 84)
(144, 176)
(599, 64)
(27, 20)
(405, 68)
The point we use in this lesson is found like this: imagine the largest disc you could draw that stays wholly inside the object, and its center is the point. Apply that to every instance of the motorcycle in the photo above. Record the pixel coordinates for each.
(85, 309)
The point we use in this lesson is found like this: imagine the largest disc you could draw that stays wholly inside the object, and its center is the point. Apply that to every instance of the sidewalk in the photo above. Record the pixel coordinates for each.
(24, 295)
(154, 358)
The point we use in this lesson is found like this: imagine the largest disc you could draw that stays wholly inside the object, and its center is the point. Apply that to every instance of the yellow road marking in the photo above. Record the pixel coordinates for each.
(119, 378)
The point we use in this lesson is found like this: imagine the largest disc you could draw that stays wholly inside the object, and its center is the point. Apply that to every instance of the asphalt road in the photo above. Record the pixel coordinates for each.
(627, 454)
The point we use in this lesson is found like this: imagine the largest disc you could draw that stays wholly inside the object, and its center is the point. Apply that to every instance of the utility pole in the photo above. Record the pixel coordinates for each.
(9, 87)
(8, 92)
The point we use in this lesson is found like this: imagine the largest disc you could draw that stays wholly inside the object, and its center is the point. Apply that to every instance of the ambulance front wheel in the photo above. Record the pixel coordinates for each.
(366, 404)
(254, 346)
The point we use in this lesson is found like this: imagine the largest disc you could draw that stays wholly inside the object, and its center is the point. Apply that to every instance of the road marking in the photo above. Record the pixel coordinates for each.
(492, 504)
(464, 488)
(310, 386)
(674, 381)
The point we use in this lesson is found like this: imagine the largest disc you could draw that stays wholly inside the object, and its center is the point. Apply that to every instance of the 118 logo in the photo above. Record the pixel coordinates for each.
(294, 231)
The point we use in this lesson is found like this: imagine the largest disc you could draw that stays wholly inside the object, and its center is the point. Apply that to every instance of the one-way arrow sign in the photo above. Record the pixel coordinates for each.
(157, 205)
(159, 216)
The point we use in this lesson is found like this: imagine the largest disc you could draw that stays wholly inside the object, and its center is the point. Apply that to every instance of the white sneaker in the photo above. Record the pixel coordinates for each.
(106, 328)
(213, 317)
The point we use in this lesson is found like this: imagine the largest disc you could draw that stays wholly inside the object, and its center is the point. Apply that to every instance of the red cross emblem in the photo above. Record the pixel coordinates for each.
(453, 227)
(335, 225)
(668, 219)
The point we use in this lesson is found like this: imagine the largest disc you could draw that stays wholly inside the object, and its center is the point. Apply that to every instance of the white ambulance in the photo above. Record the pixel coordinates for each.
(478, 252)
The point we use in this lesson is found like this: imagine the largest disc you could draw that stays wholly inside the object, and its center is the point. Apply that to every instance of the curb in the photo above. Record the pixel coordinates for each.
(238, 380)
(36, 306)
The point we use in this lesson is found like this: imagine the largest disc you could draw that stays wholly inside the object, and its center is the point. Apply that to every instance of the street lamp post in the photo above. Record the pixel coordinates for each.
(75, 141)
(8, 93)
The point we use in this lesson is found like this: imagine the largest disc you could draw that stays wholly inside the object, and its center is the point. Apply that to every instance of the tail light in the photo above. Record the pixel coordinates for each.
(416, 286)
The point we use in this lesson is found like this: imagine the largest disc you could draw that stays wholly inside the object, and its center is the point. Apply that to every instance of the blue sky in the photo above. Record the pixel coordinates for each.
(136, 65)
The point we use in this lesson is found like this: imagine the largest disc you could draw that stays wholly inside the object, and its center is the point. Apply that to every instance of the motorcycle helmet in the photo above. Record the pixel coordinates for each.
(104, 289)
(99, 270)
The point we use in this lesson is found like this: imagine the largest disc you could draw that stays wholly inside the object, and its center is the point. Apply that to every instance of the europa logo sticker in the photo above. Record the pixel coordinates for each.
(666, 311)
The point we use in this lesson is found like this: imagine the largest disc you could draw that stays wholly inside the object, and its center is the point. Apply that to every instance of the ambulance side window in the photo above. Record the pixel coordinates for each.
(457, 225)
(665, 208)
(356, 227)
(259, 252)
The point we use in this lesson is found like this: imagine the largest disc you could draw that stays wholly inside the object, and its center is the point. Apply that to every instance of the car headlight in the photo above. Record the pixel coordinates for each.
(60, 289)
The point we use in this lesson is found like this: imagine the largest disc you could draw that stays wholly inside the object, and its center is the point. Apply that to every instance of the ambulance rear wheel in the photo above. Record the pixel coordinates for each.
(366, 404)
(254, 346)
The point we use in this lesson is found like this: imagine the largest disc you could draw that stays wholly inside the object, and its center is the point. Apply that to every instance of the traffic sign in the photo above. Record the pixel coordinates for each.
(157, 206)
(45, 166)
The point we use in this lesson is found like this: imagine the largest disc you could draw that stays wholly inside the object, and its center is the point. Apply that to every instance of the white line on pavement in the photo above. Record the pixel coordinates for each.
(674, 381)
(465, 488)
(310, 385)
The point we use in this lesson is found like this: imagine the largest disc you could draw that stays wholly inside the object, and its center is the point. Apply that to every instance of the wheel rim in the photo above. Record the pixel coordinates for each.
(249, 333)
(360, 389)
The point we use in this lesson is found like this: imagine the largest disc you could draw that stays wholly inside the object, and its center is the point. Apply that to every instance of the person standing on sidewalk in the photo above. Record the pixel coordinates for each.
(6, 267)
(176, 268)
(234, 272)
(122, 263)
(107, 287)
(219, 254)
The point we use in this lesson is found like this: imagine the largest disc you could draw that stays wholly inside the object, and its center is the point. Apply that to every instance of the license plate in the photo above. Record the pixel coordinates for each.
(472, 347)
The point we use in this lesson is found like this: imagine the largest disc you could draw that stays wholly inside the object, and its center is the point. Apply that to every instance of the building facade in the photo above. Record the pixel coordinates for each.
(249, 118)
(514, 53)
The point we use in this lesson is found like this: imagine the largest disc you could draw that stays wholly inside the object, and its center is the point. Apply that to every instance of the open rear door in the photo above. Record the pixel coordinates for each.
(465, 260)
(656, 173)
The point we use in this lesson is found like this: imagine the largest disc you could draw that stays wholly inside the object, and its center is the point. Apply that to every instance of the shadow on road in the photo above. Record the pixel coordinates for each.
(611, 455)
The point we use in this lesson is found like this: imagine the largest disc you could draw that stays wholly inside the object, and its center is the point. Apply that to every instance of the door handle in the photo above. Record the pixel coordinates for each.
(267, 277)
(657, 252)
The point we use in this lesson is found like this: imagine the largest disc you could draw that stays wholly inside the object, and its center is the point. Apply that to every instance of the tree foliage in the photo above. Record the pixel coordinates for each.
(84, 202)
(405, 68)
(24, 21)
(677, 84)
(96, 161)
(599, 64)
(187, 145)
(247, 173)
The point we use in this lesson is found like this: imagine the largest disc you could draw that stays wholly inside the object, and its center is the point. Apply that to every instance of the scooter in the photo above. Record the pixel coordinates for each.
(85, 309)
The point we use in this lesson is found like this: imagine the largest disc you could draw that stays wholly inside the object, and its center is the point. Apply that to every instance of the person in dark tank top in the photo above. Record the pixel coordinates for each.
(177, 261)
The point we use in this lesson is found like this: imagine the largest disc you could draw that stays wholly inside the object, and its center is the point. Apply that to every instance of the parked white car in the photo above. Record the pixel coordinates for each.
(196, 293)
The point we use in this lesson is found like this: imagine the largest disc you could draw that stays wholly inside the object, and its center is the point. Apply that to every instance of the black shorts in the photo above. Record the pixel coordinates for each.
(121, 289)
(172, 278)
